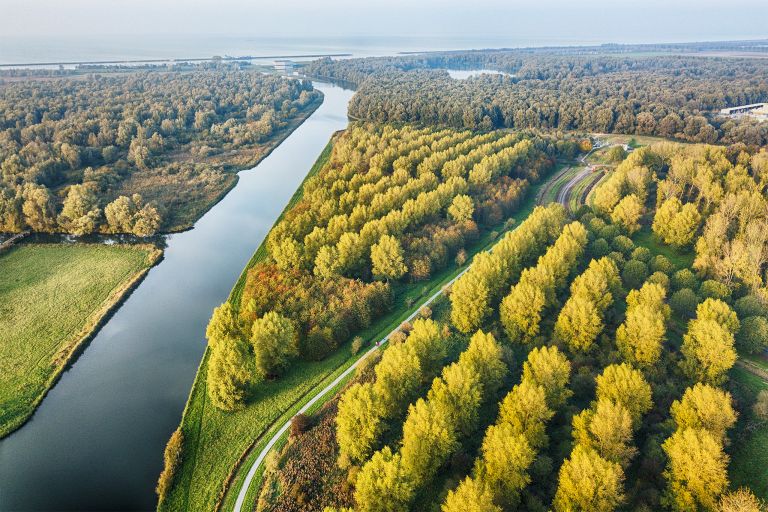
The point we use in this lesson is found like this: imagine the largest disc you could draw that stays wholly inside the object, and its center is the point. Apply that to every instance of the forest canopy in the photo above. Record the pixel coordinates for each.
(133, 152)
(665, 95)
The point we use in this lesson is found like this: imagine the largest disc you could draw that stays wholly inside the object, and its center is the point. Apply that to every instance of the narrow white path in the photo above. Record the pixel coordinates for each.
(320, 394)
(263, 454)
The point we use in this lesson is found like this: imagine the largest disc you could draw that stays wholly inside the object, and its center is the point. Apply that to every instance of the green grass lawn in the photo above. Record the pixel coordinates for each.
(215, 442)
(52, 298)
(749, 453)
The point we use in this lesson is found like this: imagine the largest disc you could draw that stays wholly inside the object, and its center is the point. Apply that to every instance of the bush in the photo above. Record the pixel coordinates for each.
(172, 458)
(662, 264)
(318, 343)
(684, 302)
(760, 409)
(618, 258)
(623, 244)
(397, 337)
(753, 334)
(634, 274)
(711, 289)
(750, 305)
(300, 424)
(461, 257)
(660, 278)
(609, 232)
(357, 344)
(684, 279)
(425, 312)
(641, 254)
(599, 248)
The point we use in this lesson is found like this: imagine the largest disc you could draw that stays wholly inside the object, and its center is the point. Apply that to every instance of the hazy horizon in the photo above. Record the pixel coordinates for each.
(589, 20)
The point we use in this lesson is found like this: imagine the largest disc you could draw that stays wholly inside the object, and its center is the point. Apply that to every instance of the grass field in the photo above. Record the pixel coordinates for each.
(216, 442)
(749, 453)
(52, 299)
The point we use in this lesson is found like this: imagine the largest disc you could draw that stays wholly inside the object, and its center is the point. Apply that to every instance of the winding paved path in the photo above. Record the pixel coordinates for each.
(320, 394)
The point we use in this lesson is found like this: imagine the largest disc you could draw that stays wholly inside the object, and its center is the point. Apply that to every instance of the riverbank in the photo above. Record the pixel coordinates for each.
(238, 160)
(55, 299)
(194, 411)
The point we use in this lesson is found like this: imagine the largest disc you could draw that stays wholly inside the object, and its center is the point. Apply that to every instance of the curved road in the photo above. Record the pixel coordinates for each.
(262, 455)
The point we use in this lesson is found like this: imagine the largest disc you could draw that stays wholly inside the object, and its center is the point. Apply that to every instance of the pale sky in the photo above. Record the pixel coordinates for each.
(583, 20)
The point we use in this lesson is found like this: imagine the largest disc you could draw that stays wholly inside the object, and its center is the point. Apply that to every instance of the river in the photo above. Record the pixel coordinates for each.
(96, 442)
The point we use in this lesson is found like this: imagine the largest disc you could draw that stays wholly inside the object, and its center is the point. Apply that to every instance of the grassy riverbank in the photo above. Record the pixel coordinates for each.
(53, 298)
(219, 446)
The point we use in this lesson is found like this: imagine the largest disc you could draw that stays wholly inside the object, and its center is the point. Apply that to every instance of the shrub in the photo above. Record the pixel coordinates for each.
(618, 258)
(623, 244)
(760, 409)
(461, 257)
(684, 302)
(641, 254)
(634, 274)
(425, 312)
(609, 232)
(685, 279)
(753, 334)
(599, 248)
(397, 337)
(661, 264)
(172, 458)
(659, 278)
(300, 424)
(750, 305)
(357, 344)
(711, 289)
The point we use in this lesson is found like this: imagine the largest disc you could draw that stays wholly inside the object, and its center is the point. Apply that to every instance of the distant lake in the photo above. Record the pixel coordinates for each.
(22, 49)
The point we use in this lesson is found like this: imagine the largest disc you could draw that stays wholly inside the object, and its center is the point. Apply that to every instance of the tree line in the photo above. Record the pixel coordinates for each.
(392, 204)
(668, 96)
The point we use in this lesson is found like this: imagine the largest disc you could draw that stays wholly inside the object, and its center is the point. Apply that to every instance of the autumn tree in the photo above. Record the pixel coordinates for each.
(676, 223)
(627, 213)
(506, 457)
(387, 258)
(708, 349)
(589, 483)
(525, 409)
(704, 407)
(274, 343)
(741, 500)
(622, 384)
(461, 209)
(697, 470)
(472, 495)
(230, 374)
(607, 429)
(358, 423)
(640, 337)
(549, 368)
(383, 484)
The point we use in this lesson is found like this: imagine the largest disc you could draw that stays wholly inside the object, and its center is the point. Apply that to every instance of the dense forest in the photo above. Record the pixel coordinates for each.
(586, 363)
(393, 204)
(134, 152)
(670, 96)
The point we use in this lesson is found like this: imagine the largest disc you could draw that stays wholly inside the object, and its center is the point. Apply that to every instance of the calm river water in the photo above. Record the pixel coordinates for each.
(96, 442)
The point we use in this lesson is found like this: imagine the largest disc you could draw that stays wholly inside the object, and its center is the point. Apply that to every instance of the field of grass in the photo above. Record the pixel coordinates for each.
(217, 444)
(749, 453)
(52, 299)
